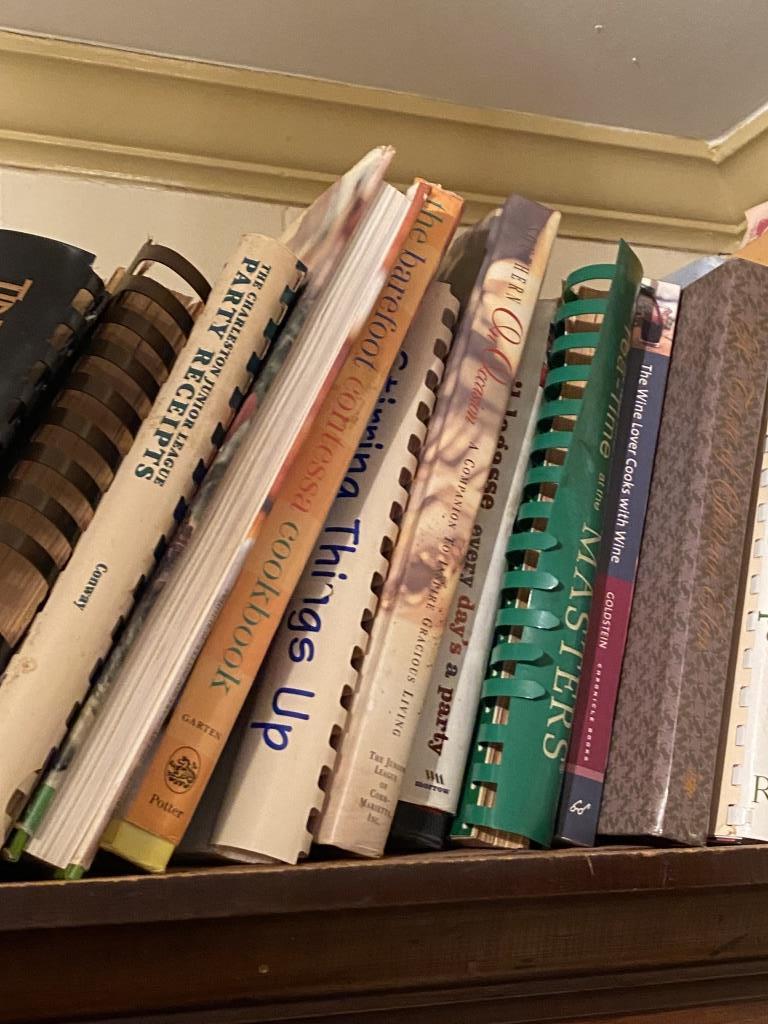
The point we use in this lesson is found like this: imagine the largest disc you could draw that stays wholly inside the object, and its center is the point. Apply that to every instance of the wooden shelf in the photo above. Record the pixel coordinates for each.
(456, 937)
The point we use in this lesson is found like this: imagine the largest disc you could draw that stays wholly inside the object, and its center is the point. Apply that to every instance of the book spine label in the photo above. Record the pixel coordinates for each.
(436, 532)
(514, 772)
(49, 675)
(436, 765)
(626, 503)
(313, 662)
(679, 644)
(214, 693)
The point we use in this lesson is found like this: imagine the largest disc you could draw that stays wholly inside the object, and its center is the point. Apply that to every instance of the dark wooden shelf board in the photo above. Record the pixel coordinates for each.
(463, 936)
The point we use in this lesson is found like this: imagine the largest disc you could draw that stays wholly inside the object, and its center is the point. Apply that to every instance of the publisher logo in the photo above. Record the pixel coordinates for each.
(182, 769)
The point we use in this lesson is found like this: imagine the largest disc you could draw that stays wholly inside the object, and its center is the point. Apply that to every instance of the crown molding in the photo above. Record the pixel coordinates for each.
(83, 109)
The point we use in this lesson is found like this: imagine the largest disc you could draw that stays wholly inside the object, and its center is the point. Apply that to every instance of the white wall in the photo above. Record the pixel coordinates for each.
(113, 219)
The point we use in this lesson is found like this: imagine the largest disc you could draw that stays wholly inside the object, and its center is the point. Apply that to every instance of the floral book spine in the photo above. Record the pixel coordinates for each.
(626, 503)
(432, 782)
(299, 706)
(526, 709)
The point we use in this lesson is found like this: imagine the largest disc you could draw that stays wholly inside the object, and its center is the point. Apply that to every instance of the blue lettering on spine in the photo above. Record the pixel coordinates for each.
(304, 624)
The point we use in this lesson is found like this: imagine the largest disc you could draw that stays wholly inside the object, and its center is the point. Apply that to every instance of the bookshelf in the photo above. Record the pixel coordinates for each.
(661, 936)
(634, 935)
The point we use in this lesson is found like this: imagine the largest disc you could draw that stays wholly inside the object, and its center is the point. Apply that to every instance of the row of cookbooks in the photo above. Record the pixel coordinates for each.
(370, 547)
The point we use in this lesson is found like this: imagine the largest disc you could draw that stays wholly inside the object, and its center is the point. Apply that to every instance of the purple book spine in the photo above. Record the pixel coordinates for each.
(627, 501)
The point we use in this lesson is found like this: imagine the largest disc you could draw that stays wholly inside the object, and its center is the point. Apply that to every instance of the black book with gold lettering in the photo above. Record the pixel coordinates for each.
(48, 290)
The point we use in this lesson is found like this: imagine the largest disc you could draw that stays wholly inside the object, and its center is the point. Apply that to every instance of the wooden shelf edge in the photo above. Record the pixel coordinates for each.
(489, 937)
(453, 877)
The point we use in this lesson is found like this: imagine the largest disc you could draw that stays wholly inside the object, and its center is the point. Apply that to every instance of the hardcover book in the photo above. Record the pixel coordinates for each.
(50, 674)
(435, 770)
(514, 773)
(405, 238)
(630, 480)
(82, 437)
(300, 697)
(665, 737)
(437, 526)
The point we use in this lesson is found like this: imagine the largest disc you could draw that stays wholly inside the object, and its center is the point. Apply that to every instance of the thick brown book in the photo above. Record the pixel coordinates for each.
(665, 740)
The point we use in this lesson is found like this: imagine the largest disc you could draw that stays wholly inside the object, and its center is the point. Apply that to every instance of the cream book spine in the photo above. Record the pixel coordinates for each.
(740, 805)
(49, 675)
(298, 707)
(437, 529)
(435, 768)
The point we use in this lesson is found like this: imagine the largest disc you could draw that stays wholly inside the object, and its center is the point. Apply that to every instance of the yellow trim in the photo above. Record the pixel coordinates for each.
(232, 131)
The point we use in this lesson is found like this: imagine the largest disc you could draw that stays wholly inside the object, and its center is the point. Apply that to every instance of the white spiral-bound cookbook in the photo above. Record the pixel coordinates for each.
(286, 744)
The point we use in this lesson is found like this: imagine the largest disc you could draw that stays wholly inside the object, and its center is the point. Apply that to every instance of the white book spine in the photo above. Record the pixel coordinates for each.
(435, 768)
(740, 808)
(49, 675)
(287, 743)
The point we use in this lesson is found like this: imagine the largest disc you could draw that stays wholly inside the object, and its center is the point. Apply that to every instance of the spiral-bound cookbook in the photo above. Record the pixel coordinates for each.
(300, 698)
(526, 710)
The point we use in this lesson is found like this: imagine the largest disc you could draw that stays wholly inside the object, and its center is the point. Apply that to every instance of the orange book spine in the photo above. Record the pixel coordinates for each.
(174, 780)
